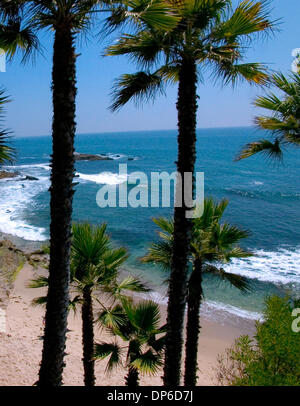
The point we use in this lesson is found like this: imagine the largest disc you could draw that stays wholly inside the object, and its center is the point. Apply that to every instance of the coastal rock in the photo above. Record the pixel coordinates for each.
(8, 175)
(27, 177)
(91, 157)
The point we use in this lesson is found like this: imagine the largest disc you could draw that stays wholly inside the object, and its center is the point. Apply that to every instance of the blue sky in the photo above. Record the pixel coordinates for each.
(29, 113)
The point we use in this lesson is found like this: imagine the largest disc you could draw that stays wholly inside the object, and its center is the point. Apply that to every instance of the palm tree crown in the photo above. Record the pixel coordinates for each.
(202, 34)
(284, 122)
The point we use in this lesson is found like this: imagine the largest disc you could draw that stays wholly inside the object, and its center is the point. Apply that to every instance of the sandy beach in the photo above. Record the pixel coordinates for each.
(21, 345)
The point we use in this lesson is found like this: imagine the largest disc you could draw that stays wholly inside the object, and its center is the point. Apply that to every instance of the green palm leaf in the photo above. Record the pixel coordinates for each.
(237, 281)
(132, 284)
(39, 301)
(39, 282)
(139, 87)
(148, 363)
(283, 123)
(111, 350)
(271, 149)
(144, 316)
(112, 318)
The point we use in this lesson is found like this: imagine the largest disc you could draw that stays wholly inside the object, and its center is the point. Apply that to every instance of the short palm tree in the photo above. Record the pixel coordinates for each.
(208, 34)
(95, 268)
(212, 244)
(93, 264)
(284, 122)
(138, 325)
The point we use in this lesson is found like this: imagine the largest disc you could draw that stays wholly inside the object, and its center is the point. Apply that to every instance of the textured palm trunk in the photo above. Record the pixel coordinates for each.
(193, 324)
(132, 378)
(61, 190)
(186, 107)
(88, 338)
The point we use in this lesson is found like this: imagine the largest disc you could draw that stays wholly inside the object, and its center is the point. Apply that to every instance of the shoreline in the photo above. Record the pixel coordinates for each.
(214, 311)
(21, 345)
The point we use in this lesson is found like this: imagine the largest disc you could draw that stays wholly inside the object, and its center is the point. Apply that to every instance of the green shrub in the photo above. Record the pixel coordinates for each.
(272, 358)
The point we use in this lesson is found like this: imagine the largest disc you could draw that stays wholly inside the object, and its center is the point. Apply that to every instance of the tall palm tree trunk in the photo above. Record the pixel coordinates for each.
(193, 324)
(63, 131)
(88, 338)
(186, 107)
(132, 378)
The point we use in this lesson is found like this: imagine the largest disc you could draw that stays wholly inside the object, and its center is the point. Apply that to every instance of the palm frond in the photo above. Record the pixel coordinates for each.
(224, 236)
(159, 253)
(249, 17)
(271, 149)
(139, 87)
(88, 243)
(73, 303)
(253, 73)
(167, 227)
(145, 316)
(158, 15)
(239, 282)
(148, 363)
(112, 318)
(14, 37)
(111, 350)
(39, 301)
(133, 284)
(39, 282)
(144, 47)
(110, 263)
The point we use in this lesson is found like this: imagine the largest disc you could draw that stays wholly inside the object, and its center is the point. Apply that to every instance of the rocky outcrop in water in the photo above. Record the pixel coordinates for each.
(12, 175)
(90, 157)
(8, 175)
(27, 177)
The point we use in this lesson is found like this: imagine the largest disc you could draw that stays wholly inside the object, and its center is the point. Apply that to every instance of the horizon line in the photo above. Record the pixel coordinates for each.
(133, 131)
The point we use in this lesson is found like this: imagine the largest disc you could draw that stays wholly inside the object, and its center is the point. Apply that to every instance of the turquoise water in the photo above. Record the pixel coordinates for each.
(264, 198)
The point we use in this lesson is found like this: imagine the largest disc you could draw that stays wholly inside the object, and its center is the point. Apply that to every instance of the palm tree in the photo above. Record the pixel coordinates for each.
(94, 265)
(137, 325)
(212, 244)
(88, 268)
(284, 122)
(67, 19)
(13, 37)
(209, 34)
(94, 270)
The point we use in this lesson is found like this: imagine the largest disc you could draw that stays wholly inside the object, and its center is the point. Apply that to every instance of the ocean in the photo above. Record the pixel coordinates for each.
(264, 198)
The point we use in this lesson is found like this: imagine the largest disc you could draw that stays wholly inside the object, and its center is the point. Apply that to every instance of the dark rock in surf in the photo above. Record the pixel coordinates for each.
(90, 157)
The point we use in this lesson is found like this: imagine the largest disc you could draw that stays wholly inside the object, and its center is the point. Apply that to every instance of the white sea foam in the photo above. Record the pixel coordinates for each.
(45, 166)
(211, 309)
(16, 197)
(217, 311)
(282, 266)
(103, 178)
